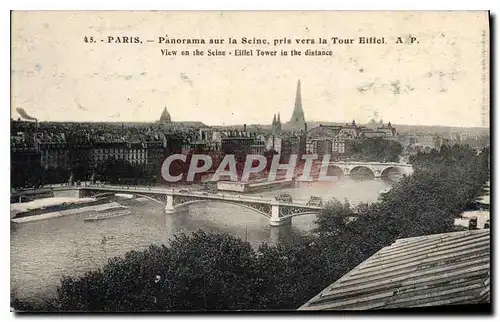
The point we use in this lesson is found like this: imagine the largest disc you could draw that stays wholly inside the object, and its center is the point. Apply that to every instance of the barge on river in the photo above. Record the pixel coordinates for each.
(108, 213)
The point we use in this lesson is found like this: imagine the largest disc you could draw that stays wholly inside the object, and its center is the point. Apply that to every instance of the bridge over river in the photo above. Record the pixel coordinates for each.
(374, 169)
(278, 212)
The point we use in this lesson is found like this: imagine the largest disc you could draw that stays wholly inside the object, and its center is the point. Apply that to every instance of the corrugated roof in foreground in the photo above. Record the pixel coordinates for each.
(442, 269)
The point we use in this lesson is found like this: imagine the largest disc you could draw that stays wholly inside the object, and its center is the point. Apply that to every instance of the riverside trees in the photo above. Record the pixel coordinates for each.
(374, 149)
(199, 272)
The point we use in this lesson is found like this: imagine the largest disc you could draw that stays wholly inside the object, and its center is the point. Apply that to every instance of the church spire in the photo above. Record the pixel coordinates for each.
(278, 123)
(298, 120)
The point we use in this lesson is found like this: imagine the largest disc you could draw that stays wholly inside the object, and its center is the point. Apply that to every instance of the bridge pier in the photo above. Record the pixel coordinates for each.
(276, 220)
(169, 206)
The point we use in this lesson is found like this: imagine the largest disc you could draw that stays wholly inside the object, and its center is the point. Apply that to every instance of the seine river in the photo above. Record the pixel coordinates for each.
(43, 251)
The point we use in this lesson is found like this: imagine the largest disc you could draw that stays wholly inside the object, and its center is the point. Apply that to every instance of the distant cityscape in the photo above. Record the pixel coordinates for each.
(84, 145)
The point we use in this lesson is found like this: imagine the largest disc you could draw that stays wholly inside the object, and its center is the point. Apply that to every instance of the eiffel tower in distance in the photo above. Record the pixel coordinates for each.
(298, 122)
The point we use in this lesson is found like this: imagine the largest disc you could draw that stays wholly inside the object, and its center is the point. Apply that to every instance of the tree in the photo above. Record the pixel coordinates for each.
(81, 171)
(374, 149)
(55, 175)
(205, 271)
(119, 171)
(26, 173)
(333, 217)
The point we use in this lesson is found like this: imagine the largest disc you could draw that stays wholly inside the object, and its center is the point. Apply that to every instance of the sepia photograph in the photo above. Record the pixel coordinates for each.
(243, 161)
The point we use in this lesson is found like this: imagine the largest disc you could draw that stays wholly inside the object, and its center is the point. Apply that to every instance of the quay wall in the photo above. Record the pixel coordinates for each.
(71, 193)
(61, 207)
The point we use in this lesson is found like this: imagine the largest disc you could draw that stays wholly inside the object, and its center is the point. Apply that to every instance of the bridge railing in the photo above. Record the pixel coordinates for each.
(125, 188)
(372, 163)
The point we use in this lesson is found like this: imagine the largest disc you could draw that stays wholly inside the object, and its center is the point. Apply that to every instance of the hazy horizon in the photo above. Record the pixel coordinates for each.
(254, 124)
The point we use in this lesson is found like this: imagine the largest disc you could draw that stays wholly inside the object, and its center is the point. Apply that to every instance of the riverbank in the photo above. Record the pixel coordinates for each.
(56, 214)
(27, 208)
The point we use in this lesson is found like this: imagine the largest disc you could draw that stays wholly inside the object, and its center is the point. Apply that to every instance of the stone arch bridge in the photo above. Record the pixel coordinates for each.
(378, 169)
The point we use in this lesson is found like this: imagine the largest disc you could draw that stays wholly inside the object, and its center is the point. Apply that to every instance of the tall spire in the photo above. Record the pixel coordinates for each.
(298, 120)
(278, 123)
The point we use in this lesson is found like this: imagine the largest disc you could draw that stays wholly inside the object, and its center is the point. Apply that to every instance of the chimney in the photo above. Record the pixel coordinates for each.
(244, 128)
(473, 223)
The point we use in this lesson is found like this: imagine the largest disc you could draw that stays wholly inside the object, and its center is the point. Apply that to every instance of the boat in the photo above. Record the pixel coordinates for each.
(108, 213)
(124, 195)
(385, 190)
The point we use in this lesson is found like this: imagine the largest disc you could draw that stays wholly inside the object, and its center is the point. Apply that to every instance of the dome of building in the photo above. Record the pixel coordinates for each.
(165, 116)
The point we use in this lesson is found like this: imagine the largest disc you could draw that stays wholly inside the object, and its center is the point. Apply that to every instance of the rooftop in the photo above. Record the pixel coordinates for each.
(442, 269)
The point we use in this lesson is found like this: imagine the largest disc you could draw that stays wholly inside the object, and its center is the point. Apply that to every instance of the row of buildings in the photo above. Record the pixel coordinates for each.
(58, 152)
(295, 137)
(57, 146)
(65, 145)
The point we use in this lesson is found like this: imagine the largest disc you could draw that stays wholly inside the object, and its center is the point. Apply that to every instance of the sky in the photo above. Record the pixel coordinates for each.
(441, 80)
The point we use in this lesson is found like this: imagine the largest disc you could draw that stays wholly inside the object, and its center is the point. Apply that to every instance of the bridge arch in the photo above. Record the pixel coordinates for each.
(149, 198)
(309, 212)
(362, 172)
(109, 194)
(242, 205)
(335, 170)
(392, 173)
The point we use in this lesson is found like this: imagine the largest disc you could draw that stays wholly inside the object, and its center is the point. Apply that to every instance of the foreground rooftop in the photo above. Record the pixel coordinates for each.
(433, 270)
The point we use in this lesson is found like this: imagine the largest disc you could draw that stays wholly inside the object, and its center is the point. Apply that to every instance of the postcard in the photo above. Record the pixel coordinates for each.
(208, 161)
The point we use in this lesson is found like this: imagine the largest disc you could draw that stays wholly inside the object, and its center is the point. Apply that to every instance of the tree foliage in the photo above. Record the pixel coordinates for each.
(374, 149)
(120, 171)
(31, 174)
